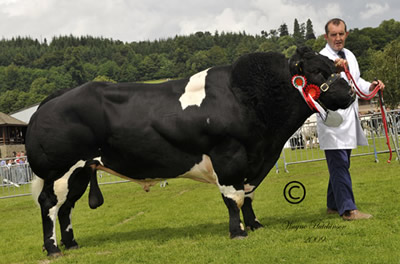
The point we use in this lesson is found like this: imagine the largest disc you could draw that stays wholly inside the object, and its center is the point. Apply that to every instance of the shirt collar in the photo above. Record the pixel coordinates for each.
(333, 52)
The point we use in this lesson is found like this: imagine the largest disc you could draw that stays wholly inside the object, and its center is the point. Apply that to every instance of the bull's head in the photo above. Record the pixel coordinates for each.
(319, 70)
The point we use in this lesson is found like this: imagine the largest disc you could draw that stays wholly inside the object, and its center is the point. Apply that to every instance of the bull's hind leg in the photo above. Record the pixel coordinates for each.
(48, 206)
(52, 198)
(250, 219)
(77, 184)
(67, 234)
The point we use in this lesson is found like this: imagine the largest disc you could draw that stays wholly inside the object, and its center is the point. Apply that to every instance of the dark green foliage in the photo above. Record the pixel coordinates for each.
(32, 69)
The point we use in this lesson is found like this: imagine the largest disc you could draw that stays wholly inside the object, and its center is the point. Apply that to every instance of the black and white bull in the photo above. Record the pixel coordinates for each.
(225, 125)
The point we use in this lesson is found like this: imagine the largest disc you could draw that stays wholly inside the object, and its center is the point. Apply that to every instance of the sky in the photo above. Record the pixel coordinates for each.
(139, 20)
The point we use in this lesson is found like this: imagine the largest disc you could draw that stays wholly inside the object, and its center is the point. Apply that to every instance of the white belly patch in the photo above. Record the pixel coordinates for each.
(194, 91)
(203, 171)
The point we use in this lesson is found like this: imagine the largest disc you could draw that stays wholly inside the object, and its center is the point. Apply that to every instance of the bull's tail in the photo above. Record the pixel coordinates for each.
(36, 188)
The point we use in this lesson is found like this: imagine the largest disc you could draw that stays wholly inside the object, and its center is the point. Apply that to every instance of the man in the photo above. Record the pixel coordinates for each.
(339, 141)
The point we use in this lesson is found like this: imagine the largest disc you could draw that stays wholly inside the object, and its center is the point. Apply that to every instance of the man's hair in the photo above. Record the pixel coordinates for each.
(335, 21)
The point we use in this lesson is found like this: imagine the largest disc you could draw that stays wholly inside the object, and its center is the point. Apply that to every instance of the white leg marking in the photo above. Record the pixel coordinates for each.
(195, 90)
(232, 193)
(69, 227)
(249, 188)
(36, 188)
(61, 192)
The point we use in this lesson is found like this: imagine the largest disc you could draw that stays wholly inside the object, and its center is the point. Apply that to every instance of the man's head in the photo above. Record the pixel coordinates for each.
(336, 33)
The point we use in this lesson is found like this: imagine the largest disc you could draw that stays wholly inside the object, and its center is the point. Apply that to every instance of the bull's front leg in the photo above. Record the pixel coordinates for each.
(229, 159)
(233, 197)
(249, 217)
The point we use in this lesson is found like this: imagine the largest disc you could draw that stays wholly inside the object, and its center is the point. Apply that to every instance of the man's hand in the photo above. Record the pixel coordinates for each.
(375, 83)
(339, 63)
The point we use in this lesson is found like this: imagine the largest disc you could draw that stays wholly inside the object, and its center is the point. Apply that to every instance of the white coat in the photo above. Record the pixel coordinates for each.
(349, 134)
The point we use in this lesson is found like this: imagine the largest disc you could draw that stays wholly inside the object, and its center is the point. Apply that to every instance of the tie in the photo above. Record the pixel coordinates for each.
(341, 54)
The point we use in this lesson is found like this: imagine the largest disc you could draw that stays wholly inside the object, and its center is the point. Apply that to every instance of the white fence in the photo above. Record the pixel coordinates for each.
(15, 180)
(301, 147)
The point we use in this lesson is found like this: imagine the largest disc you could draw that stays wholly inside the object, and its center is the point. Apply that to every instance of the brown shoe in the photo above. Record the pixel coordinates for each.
(331, 211)
(355, 215)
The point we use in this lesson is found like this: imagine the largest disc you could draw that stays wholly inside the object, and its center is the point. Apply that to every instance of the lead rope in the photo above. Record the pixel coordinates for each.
(369, 97)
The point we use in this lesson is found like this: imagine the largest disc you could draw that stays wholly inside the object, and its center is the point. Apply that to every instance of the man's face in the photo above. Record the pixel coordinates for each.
(336, 36)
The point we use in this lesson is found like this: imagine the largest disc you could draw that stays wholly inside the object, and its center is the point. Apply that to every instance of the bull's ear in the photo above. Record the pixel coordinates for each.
(303, 50)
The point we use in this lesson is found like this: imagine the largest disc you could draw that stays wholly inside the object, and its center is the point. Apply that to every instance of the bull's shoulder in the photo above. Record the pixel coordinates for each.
(259, 69)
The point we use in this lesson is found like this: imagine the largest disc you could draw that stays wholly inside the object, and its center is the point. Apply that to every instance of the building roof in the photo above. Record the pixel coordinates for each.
(9, 120)
(26, 113)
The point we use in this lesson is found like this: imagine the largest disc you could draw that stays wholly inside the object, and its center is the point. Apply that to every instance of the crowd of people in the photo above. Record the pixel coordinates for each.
(17, 159)
(15, 170)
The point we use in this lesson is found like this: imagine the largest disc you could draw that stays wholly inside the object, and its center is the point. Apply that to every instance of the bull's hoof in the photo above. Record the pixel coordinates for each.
(239, 235)
(72, 247)
(55, 254)
(254, 226)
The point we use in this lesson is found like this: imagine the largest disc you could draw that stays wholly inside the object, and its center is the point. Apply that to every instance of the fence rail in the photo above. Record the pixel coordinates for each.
(15, 180)
(301, 147)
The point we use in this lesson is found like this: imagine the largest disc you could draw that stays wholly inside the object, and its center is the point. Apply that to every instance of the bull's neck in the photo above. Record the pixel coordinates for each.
(285, 115)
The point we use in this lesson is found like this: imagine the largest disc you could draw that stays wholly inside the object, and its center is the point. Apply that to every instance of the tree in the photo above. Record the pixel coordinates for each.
(290, 51)
(392, 27)
(109, 69)
(41, 86)
(386, 66)
(102, 78)
(128, 73)
(7, 101)
(286, 42)
(165, 69)
(273, 33)
(298, 32)
(319, 43)
(74, 64)
(296, 29)
(269, 45)
(49, 59)
(309, 30)
(148, 67)
(217, 56)
(283, 30)
(198, 62)
(11, 76)
(21, 60)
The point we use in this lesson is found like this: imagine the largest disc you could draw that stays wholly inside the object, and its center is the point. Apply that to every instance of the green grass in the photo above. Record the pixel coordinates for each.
(156, 81)
(187, 222)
